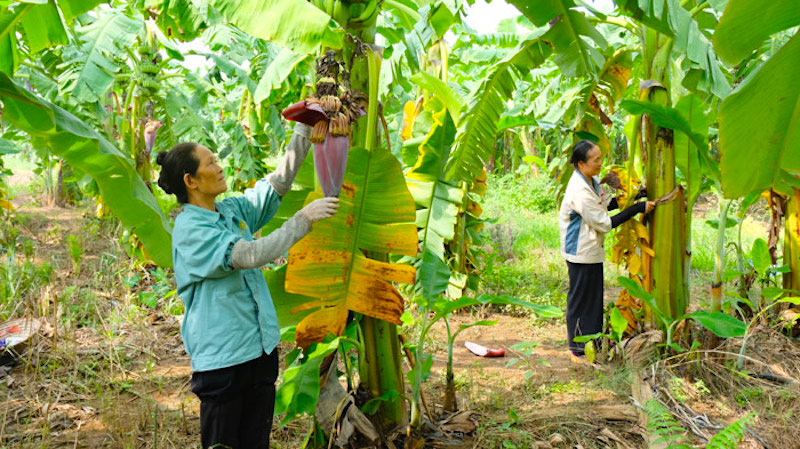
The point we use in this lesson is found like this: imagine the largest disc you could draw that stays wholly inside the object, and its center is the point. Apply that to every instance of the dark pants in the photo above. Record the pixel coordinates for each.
(237, 403)
(584, 302)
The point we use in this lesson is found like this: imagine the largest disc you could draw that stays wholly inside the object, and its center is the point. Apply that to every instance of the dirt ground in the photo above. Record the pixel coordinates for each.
(125, 382)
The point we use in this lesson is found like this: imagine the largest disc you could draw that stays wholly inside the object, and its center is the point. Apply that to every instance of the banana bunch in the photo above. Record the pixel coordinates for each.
(363, 15)
(148, 67)
(350, 14)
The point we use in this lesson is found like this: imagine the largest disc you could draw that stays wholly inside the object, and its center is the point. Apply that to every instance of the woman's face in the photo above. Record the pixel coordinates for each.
(593, 164)
(209, 179)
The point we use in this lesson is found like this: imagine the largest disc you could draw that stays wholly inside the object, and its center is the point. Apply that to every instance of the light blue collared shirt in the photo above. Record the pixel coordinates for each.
(230, 318)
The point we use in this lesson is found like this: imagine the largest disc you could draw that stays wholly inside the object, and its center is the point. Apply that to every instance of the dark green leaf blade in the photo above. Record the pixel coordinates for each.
(122, 189)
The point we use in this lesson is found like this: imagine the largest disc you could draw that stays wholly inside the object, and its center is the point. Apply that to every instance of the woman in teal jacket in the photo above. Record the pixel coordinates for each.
(230, 328)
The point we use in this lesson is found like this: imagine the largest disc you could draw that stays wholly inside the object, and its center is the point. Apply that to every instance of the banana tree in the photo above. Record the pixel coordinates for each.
(664, 138)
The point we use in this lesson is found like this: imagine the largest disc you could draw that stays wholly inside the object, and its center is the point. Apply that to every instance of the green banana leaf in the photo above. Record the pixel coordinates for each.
(721, 324)
(445, 307)
(747, 23)
(439, 203)
(299, 388)
(277, 71)
(453, 101)
(71, 9)
(294, 24)
(42, 24)
(91, 71)
(43, 27)
(434, 275)
(514, 121)
(689, 158)
(122, 189)
(670, 18)
(667, 117)
(568, 30)
(9, 58)
(476, 143)
(759, 126)
(376, 214)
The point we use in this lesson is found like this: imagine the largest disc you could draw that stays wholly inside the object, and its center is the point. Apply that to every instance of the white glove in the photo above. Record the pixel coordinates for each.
(320, 209)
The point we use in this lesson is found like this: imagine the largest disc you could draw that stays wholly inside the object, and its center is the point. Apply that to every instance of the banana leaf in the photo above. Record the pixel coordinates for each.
(294, 24)
(122, 189)
(747, 23)
(91, 68)
(376, 213)
(476, 142)
(759, 126)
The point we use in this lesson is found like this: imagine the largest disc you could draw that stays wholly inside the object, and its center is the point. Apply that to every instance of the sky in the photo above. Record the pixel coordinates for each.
(484, 17)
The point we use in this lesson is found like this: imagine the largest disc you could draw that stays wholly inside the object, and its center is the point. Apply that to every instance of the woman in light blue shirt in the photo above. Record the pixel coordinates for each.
(230, 328)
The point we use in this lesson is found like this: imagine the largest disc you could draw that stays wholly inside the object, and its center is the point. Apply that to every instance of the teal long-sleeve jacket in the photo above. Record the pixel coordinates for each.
(229, 316)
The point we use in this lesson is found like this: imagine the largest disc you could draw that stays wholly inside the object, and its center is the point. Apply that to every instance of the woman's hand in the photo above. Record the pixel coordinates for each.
(320, 209)
(650, 205)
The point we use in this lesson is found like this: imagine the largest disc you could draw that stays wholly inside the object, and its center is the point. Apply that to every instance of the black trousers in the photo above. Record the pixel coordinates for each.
(237, 403)
(584, 302)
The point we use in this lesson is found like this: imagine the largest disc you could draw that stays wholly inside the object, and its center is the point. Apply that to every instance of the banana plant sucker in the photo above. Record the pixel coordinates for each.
(719, 254)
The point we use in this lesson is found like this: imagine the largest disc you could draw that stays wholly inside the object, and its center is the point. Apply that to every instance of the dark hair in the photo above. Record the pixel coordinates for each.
(580, 152)
(174, 164)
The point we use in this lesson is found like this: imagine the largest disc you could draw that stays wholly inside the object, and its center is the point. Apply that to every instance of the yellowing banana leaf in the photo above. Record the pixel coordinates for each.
(284, 301)
(294, 24)
(376, 213)
(122, 189)
(453, 101)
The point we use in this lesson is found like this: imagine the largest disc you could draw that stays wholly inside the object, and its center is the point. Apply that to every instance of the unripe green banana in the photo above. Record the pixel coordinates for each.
(341, 13)
(367, 15)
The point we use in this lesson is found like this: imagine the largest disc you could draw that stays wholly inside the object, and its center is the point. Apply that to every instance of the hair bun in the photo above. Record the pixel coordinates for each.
(160, 158)
(162, 182)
